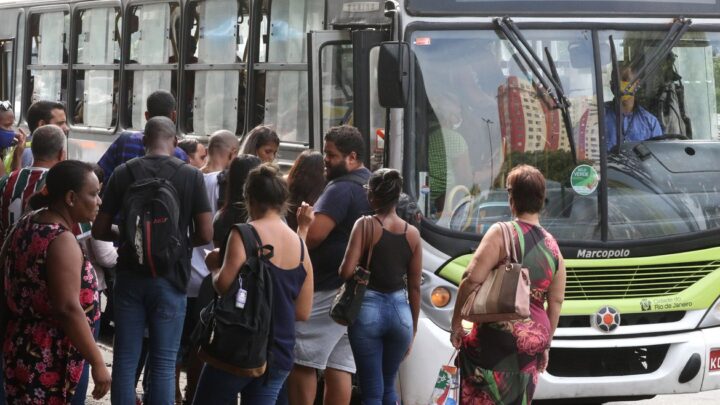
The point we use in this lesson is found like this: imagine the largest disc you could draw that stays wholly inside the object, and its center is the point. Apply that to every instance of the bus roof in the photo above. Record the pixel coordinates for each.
(559, 8)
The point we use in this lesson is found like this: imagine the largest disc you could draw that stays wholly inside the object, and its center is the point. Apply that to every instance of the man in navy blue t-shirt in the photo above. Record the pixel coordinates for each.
(321, 343)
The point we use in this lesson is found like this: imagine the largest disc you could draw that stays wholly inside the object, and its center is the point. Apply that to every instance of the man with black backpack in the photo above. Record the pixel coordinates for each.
(321, 343)
(164, 212)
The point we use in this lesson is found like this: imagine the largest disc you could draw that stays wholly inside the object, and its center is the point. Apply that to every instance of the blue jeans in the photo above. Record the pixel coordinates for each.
(141, 300)
(380, 337)
(218, 387)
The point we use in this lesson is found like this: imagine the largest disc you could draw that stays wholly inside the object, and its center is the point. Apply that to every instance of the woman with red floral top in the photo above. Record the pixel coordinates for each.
(51, 294)
(500, 361)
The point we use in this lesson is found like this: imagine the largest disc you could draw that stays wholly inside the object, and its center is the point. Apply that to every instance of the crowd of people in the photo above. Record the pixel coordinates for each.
(164, 270)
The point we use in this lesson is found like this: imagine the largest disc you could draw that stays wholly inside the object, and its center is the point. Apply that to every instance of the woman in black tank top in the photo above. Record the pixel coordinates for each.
(383, 332)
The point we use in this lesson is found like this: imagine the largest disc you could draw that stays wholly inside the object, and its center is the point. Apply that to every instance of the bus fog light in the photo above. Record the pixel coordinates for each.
(712, 317)
(440, 297)
(467, 325)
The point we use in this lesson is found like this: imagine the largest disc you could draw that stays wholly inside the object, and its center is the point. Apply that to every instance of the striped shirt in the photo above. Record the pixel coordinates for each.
(15, 191)
(127, 146)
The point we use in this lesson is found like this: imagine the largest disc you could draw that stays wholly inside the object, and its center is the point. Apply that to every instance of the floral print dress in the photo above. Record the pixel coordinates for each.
(498, 361)
(41, 365)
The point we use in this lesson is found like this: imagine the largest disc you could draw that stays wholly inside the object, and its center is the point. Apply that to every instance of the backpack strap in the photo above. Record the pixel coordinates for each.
(170, 168)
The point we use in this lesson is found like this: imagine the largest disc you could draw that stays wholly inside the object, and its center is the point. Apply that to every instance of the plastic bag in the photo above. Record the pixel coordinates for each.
(447, 386)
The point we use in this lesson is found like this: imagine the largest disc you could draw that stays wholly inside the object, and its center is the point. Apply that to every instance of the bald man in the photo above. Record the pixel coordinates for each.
(141, 298)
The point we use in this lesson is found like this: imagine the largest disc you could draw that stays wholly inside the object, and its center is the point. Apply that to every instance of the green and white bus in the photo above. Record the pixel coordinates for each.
(476, 87)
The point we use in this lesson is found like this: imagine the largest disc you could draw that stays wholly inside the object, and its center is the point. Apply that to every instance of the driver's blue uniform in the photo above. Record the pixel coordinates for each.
(637, 126)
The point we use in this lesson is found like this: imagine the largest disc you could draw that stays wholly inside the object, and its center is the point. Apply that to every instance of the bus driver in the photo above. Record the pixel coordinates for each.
(638, 124)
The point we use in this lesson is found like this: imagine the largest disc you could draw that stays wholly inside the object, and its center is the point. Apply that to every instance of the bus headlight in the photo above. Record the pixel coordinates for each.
(712, 317)
(440, 297)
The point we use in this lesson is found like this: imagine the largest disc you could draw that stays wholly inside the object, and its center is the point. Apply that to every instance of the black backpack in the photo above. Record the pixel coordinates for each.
(239, 340)
(150, 226)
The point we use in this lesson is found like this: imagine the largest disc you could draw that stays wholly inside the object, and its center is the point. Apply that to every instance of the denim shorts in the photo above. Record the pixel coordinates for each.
(321, 342)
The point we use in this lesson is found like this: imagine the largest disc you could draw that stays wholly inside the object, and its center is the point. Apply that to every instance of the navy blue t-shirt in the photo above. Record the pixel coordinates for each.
(344, 201)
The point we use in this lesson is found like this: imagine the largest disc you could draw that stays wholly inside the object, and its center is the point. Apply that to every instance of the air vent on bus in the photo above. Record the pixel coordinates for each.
(635, 281)
(605, 362)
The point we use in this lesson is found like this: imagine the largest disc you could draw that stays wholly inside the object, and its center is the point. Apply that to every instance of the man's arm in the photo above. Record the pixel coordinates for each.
(202, 231)
(320, 228)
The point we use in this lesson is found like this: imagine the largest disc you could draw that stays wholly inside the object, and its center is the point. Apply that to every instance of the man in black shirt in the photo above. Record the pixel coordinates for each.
(140, 297)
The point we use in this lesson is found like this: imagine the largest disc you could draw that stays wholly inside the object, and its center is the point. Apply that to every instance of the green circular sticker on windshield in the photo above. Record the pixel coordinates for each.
(584, 179)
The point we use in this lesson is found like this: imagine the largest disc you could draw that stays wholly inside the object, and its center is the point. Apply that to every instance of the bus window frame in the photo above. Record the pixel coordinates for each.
(19, 67)
(12, 70)
(27, 52)
(439, 233)
(75, 29)
(237, 67)
(125, 115)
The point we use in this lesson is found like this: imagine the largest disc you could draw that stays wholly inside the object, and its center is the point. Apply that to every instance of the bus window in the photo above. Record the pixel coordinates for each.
(152, 63)
(19, 67)
(97, 71)
(679, 99)
(48, 34)
(485, 113)
(217, 37)
(6, 69)
(284, 102)
(337, 85)
(377, 117)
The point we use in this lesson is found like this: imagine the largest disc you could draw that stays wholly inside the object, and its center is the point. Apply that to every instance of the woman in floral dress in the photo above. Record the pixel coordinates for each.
(51, 294)
(500, 361)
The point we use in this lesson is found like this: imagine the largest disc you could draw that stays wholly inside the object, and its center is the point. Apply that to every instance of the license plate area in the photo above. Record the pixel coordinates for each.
(714, 360)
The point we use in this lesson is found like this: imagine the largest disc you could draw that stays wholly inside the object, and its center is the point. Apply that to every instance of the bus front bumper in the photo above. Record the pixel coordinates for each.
(688, 351)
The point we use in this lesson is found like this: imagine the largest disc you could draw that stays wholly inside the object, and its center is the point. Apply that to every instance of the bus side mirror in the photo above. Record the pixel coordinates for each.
(394, 74)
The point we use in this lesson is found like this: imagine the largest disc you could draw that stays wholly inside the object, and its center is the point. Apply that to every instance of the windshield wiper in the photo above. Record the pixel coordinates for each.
(546, 75)
(678, 29)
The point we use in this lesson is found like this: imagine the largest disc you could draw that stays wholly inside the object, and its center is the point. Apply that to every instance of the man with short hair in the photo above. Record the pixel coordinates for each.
(140, 298)
(321, 343)
(40, 113)
(129, 144)
(48, 148)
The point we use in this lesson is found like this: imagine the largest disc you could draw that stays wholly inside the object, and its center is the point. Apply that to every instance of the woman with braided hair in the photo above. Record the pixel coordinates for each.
(383, 332)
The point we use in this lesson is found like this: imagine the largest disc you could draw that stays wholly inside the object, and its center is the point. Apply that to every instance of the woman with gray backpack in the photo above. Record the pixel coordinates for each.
(265, 282)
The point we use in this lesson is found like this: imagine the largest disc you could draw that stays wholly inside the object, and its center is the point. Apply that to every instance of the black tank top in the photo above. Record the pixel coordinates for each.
(390, 260)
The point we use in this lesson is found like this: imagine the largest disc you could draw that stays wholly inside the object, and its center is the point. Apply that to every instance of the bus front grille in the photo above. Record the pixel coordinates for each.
(634, 281)
(606, 362)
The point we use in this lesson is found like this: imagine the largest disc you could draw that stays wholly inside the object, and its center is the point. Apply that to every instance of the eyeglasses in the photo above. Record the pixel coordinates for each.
(5, 105)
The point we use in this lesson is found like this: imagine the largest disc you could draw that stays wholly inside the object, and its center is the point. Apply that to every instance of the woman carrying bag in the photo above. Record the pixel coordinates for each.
(382, 333)
(266, 195)
(500, 361)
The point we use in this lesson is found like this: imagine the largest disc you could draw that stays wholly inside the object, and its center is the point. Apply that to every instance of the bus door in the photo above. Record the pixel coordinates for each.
(343, 90)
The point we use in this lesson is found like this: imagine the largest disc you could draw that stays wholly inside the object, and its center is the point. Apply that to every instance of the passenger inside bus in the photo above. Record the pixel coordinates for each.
(638, 124)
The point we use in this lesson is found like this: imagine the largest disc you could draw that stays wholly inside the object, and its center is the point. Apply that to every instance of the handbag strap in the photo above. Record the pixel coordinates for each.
(509, 241)
(367, 247)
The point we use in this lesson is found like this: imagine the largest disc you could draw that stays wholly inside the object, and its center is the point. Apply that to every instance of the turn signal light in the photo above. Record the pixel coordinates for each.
(440, 297)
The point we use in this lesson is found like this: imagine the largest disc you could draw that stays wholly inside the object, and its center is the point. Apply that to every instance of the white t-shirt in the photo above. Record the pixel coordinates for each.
(199, 269)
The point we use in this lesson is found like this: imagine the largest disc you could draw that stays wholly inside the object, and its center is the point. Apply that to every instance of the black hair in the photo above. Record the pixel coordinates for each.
(99, 172)
(347, 139)
(385, 186)
(68, 175)
(160, 103)
(159, 129)
(188, 146)
(48, 141)
(41, 111)
(235, 179)
(258, 137)
(265, 189)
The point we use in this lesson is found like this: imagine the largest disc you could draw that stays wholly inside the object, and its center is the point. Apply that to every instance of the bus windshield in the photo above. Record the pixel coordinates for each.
(480, 110)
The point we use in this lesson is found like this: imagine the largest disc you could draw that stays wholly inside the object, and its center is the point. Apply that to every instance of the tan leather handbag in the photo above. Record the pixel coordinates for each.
(505, 294)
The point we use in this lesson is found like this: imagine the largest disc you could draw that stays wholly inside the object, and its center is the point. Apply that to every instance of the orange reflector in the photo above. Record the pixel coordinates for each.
(423, 41)
(440, 297)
